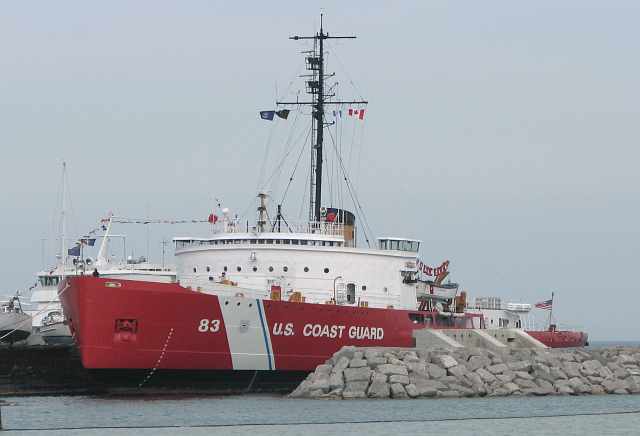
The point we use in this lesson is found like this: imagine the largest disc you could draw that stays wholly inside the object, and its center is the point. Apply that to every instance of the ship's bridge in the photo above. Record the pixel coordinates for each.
(399, 244)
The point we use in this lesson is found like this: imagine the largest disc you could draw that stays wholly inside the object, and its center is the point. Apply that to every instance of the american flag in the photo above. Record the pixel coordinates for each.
(545, 304)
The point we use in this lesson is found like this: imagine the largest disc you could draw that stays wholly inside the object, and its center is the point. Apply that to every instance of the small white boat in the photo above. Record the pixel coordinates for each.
(15, 325)
(54, 330)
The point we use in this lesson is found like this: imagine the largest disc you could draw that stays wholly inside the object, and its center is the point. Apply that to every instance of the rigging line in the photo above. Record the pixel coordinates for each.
(354, 196)
(304, 143)
(344, 70)
(266, 153)
(278, 169)
(304, 192)
(284, 158)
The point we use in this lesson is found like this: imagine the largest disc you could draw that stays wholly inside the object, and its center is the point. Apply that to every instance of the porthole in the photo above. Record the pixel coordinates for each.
(225, 268)
(208, 269)
(238, 303)
(226, 303)
(250, 304)
(194, 269)
(285, 268)
(270, 269)
(306, 269)
(255, 269)
(239, 269)
(326, 270)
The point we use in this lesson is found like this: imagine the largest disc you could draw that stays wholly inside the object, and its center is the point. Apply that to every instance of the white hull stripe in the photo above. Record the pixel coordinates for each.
(265, 331)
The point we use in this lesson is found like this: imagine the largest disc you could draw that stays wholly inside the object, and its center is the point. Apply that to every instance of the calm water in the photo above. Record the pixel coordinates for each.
(602, 415)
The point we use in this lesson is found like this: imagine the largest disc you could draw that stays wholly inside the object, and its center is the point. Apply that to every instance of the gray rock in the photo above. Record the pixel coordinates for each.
(342, 363)
(457, 371)
(542, 371)
(320, 383)
(498, 368)
(357, 363)
(572, 369)
(590, 367)
(506, 377)
(476, 362)
(419, 367)
(626, 359)
(556, 373)
(524, 375)
(565, 390)
(611, 385)
(357, 355)
(323, 370)
(523, 383)
(621, 391)
(398, 391)
(449, 394)
(374, 362)
(391, 369)
(336, 380)
(402, 379)
(499, 392)
(357, 374)
(597, 390)
(463, 390)
(520, 365)
(435, 371)
(379, 389)
(511, 387)
(317, 393)
(605, 372)
(474, 378)
(355, 389)
(370, 353)
(377, 377)
(544, 384)
(485, 375)
(447, 361)
(396, 361)
(632, 385)
(595, 380)
(412, 391)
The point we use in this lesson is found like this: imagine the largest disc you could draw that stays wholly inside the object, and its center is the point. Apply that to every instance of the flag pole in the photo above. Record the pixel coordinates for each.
(551, 310)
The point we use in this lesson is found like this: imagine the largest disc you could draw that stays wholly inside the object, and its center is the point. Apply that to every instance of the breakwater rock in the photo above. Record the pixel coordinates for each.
(472, 372)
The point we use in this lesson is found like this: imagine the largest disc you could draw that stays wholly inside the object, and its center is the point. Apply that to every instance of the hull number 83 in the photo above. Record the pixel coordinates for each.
(207, 325)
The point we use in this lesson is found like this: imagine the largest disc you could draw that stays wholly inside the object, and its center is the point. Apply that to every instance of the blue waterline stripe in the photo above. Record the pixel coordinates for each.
(264, 334)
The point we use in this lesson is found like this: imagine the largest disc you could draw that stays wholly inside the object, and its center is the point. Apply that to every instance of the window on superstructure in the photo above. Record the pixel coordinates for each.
(260, 241)
(194, 269)
(303, 242)
(326, 270)
(295, 242)
(277, 241)
(255, 269)
(306, 269)
(239, 269)
(225, 269)
(269, 241)
(208, 269)
(351, 292)
(270, 269)
(364, 287)
(286, 241)
(253, 241)
(285, 268)
(210, 278)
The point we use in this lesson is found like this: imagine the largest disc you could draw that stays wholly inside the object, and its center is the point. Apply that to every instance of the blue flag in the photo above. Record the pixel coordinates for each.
(75, 251)
(267, 115)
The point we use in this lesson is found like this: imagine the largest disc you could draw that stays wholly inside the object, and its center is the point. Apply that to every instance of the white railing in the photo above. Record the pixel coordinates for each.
(311, 228)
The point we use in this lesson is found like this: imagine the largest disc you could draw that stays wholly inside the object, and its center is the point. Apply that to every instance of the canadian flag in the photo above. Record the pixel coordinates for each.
(357, 113)
(213, 218)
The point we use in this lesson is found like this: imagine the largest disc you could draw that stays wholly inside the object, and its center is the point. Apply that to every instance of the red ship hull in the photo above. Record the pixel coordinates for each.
(560, 338)
(121, 324)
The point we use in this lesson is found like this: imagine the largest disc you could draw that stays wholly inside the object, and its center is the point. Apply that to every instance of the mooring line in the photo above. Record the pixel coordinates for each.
(155, 367)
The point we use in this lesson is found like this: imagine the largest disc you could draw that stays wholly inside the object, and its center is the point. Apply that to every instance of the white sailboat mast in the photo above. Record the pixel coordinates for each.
(63, 220)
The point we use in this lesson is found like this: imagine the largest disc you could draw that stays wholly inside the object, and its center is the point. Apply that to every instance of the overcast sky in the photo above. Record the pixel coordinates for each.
(502, 134)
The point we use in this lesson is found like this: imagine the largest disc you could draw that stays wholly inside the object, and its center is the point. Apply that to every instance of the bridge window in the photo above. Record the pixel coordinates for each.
(225, 269)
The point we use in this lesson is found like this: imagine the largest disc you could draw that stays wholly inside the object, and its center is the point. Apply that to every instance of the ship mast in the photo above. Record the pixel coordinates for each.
(315, 87)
